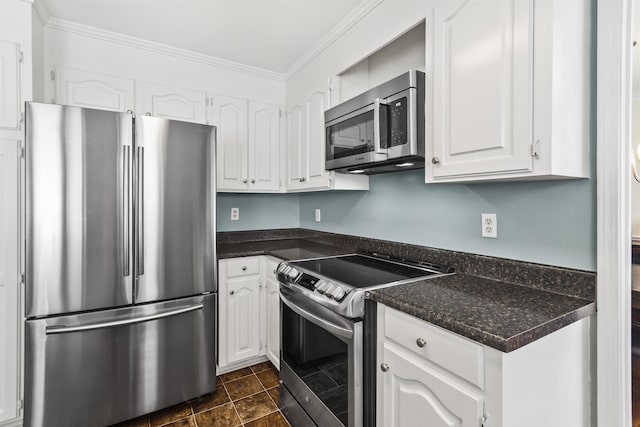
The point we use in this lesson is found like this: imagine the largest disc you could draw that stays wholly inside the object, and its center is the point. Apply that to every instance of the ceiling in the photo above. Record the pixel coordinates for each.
(269, 34)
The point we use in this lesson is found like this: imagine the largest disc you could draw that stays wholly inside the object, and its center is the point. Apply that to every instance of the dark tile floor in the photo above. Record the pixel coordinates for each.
(246, 397)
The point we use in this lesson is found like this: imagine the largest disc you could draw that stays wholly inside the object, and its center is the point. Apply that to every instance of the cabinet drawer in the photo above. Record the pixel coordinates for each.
(458, 355)
(242, 266)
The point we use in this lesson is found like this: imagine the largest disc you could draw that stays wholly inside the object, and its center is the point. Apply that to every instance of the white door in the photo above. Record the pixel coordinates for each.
(316, 176)
(414, 393)
(264, 147)
(230, 118)
(9, 85)
(482, 87)
(243, 321)
(272, 310)
(296, 123)
(90, 89)
(174, 103)
(9, 298)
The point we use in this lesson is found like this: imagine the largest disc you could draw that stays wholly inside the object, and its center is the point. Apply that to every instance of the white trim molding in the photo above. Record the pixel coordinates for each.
(42, 10)
(351, 19)
(613, 213)
(97, 33)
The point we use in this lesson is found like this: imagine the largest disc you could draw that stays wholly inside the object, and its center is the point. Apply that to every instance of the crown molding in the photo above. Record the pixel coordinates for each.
(125, 40)
(42, 10)
(351, 19)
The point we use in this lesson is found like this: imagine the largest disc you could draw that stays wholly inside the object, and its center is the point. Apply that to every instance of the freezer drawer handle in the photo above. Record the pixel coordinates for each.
(62, 329)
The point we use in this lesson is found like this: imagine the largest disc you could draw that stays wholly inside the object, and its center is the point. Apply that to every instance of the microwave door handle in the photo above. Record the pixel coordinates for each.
(379, 121)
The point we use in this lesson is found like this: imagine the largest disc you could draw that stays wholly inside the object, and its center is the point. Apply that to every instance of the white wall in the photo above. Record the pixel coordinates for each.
(83, 48)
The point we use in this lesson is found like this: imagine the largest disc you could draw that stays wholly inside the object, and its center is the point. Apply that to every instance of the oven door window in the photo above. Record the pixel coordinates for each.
(351, 136)
(319, 359)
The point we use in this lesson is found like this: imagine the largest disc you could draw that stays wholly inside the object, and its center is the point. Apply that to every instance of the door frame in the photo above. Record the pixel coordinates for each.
(614, 30)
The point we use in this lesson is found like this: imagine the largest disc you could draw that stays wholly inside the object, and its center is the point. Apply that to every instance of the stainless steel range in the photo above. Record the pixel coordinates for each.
(322, 316)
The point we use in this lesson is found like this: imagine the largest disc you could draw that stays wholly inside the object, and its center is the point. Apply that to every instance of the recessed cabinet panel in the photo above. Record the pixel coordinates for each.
(94, 90)
(316, 140)
(9, 85)
(175, 103)
(9, 301)
(230, 117)
(415, 394)
(295, 141)
(482, 77)
(264, 146)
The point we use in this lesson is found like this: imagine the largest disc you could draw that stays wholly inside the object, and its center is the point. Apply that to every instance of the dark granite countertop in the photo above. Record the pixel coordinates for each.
(498, 314)
(285, 249)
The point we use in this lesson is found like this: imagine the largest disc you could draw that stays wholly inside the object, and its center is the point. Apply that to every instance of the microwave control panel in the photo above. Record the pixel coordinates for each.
(397, 115)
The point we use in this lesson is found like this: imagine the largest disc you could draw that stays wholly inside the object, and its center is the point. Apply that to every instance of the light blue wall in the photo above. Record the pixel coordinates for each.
(258, 211)
(545, 222)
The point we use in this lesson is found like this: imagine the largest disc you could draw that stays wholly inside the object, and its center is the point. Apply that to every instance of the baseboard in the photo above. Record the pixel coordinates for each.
(238, 365)
(16, 422)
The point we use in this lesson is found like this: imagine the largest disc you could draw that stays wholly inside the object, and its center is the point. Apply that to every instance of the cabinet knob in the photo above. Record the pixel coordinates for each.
(435, 160)
(274, 271)
(244, 181)
(421, 342)
(147, 113)
(384, 367)
(244, 268)
(232, 292)
(253, 181)
(303, 179)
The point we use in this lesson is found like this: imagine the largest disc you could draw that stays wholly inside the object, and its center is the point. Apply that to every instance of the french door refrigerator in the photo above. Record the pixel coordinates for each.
(120, 293)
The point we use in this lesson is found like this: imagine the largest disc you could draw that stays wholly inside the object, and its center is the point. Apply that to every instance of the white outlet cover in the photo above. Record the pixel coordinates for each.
(318, 215)
(235, 214)
(489, 225)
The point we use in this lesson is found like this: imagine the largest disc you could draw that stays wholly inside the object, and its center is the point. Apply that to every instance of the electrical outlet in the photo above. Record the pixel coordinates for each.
(235, 214)
(317, 215)
(489, 225)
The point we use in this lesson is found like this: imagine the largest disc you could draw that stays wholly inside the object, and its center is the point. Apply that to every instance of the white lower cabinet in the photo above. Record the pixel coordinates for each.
(249, 311)
(429, 376)
(272, 310)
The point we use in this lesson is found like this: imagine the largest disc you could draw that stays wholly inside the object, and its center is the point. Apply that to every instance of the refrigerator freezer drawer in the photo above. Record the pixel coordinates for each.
(105, 367)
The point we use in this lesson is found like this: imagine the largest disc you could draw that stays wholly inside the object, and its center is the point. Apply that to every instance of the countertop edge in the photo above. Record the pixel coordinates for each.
(505, 345)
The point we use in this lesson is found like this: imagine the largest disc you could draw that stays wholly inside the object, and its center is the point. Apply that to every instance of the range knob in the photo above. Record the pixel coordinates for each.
(281, 268)
(323, 287)
(338, 294)
(293, 273)
(318, 284)
(329, 289)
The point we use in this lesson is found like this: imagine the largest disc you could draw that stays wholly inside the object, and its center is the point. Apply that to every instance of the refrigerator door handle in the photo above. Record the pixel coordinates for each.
(63, 329)
(140, 211)
(126, 196)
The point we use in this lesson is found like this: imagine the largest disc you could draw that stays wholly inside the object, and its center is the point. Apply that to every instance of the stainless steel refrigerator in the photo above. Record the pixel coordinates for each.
(120, 293)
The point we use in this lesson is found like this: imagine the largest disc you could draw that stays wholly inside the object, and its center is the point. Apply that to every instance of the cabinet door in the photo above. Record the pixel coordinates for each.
(94, 90)
(414, 393)
(272, 313)
(264, 147)
(9, 85)
(230, 118)
(9, 300)
(243, 318)
(316, 175)
(482, 86)
(296, 122)
(174, 103)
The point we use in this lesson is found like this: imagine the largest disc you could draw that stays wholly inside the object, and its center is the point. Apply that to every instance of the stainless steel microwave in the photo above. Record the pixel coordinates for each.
(381, 130)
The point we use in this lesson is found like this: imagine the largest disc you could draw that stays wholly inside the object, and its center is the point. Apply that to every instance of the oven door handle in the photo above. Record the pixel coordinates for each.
(331, 327)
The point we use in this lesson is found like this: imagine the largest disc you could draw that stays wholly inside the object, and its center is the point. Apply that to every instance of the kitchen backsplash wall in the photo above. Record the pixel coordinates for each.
(543, 222)
(258, 211)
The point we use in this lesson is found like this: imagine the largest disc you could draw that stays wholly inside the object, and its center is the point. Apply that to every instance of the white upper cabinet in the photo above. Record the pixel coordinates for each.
(510, 90)
(94, 90)
(264, 147)
(9, 85)
(230, 117)
(306, 150)
(248, 144)
(174, 103)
